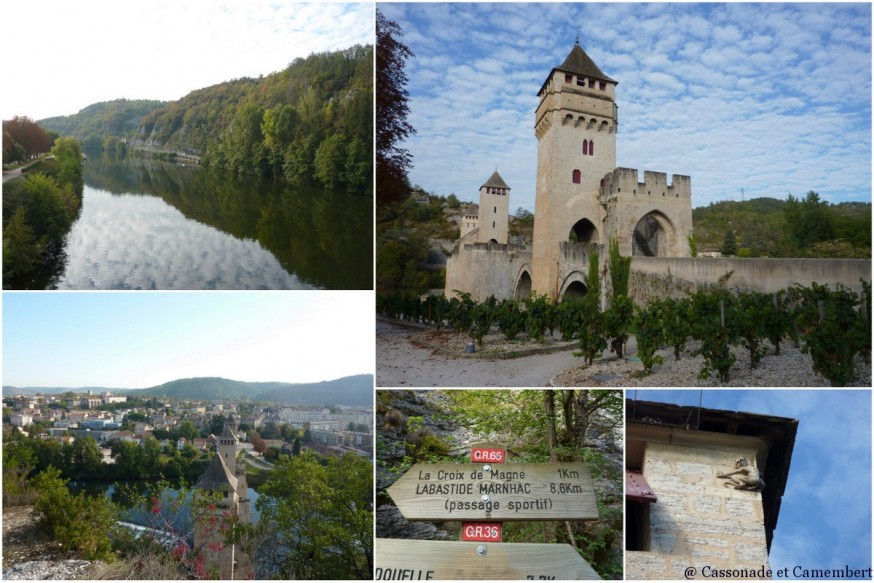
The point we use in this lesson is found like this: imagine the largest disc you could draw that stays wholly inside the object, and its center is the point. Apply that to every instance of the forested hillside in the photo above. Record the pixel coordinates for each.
(112, 119)
(796, 227)
(352, 390)
(312, 122)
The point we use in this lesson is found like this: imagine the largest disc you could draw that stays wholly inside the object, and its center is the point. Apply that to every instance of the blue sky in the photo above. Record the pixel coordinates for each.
(825, 517)
(768, 99)
(142, 339)
(68, 55)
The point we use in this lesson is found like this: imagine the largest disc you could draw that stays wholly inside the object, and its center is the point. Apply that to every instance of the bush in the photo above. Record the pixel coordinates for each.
(81, 525)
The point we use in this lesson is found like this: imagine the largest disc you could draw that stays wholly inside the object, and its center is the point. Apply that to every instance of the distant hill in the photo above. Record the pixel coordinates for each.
(114, 118)
(356, 390)
(10, 390)
(761, 227)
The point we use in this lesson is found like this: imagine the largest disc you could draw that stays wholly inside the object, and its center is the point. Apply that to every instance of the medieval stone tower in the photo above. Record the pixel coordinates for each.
(492, 225)
(223, 478)
(575, 125)
(494, 210)
(582, 199)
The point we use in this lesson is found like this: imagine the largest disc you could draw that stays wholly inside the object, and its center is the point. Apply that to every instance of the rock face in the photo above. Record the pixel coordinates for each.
(38, 570)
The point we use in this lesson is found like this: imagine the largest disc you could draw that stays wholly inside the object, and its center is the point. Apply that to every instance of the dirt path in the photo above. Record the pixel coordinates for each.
(401, 364)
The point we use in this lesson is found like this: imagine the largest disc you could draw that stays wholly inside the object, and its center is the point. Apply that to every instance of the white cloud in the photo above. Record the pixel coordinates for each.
(735, 103)
(160, 49)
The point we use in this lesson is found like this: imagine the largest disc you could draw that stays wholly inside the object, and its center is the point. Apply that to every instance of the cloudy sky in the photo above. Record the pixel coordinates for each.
(749, 100)
(825, 517)
(62, 56)
(143, 339)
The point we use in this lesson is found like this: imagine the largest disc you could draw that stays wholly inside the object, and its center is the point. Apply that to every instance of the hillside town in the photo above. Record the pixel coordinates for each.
(265, 430)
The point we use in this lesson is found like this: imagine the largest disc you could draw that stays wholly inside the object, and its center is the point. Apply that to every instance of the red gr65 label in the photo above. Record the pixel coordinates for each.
(487, 455)
(481, 531)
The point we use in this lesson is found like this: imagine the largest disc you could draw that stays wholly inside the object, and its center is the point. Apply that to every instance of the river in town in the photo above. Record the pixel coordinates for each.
(148, 224)
(123, 493)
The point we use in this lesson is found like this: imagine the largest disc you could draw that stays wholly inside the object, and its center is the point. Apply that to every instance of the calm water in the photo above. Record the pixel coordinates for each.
(141, 486)
(156, 225)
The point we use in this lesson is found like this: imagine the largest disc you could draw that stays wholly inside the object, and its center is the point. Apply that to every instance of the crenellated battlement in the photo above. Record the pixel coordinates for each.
(624, 181)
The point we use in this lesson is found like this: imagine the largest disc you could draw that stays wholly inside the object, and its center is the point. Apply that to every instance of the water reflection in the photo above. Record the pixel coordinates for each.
(155, 225)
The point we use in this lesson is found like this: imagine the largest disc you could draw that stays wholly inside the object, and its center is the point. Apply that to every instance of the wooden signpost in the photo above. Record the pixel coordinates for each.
(562, 491)
(422, 559)
(480, 495)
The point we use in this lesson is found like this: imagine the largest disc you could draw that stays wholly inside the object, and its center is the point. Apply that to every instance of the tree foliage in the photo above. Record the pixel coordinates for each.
(796, 227)
(392, 107)
(82, 525)
(23, 138)
(316, 519)
(38, 212)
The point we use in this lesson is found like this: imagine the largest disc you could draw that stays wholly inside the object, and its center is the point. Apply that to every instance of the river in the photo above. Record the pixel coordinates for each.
(148, 224)
(123, 500)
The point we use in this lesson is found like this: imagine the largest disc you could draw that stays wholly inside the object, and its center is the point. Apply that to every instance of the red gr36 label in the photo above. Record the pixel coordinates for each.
(489, 532)
(487, 455)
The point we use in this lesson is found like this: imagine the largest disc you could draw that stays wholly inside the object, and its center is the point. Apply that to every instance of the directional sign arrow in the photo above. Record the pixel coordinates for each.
(562, 491)
(423, 559)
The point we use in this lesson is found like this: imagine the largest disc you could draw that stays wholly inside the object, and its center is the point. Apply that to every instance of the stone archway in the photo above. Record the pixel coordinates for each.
(575, 291)
(583, 231)
(573, 287)
(653, 236)
(523, 286)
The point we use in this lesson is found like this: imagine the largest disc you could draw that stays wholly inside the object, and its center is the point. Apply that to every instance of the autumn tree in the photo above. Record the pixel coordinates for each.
(25, 132)
(258, 443)
(392, 108)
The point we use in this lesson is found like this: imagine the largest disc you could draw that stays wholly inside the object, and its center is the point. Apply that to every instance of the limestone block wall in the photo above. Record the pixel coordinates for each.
(485, 269)
(697, 521)
(657, 277)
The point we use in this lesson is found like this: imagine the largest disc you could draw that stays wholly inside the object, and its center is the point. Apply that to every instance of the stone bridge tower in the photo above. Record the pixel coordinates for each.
(575, 125)
(228, 482)
(494, 210)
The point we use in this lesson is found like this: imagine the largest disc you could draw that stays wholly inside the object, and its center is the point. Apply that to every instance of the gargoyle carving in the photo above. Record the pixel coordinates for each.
(744, 477)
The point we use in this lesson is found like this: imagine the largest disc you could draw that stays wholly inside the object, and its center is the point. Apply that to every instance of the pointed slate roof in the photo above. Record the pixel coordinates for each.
(579, 63)
(217, 477)
(495, 181)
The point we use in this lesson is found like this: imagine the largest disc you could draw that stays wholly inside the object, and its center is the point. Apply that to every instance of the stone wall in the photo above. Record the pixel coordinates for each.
(659, 277)
(486, 269)
(697, 522)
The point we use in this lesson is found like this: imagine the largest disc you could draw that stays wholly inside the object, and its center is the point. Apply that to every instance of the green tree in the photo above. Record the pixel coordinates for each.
(86, 458)
(591, 332)
(68, 154)
(330, 161)
(809, 221)
(358, 170)
(278, 126)
(317, 518)
(18, 461)
(21, 253)
(188, 430)
(729, 244)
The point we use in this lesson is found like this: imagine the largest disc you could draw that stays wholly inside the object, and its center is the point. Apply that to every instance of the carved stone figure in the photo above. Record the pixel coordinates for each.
(744, 477)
